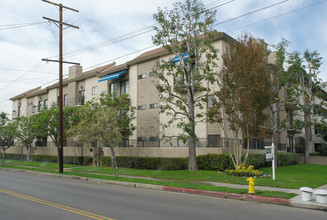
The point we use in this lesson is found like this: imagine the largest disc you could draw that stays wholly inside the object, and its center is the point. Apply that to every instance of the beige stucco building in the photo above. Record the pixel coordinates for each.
(136, 79)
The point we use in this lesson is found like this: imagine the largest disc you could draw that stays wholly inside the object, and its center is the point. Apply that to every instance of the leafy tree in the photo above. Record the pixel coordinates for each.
(244, 93)
(27, 132)
(47, 122)
(106, 120)
(8, 132)
(185, 32)
(306, 86)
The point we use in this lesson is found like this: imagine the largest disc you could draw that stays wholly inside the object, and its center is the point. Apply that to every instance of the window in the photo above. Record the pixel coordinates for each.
(125, 142)
(214, 140)
(66, 100)
(81, 97)
(18, 111)
(39, 106)
(124, 87)
(94, 90)
(152, 74)
(290, 142)
(45, 103)
(290, 119)
(153, 139)
(255, 143)
(141, 139)
(142, 76)
(113, 88)
(141, 107)
(155, 105)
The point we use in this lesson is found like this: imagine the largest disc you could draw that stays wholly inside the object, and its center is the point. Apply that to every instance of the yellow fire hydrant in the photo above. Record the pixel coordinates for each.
(251, 185)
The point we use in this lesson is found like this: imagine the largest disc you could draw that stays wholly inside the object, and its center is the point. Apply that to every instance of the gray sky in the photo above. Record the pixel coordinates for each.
(112, 30)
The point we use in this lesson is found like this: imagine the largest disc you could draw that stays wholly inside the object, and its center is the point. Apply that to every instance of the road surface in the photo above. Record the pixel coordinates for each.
(31, 196)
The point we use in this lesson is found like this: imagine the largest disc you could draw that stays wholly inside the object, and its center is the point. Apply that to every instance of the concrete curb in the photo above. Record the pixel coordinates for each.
(225, 195)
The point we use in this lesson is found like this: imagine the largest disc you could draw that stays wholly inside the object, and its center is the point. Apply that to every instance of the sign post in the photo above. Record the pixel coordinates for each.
(270, 156)
(75, 142)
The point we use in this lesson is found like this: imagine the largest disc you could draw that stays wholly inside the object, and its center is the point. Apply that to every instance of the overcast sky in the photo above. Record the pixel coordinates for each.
(119, 30)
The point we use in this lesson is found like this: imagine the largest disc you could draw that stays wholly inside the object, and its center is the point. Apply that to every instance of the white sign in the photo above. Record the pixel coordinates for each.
(270, 151)
(269, 154)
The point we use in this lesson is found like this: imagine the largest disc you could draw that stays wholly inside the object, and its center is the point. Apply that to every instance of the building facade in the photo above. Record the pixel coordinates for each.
(136, 79)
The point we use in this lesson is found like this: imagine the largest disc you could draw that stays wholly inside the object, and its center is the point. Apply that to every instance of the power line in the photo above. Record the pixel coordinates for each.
(18, 70)
(99, 64)
(127, 36)
(21, 76)
(280, 15)
(214, 25)
(20, 25)
(26, 79)
(252, 12)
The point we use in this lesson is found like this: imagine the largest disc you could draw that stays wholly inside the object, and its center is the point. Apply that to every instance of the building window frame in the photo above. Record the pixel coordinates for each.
(124, 87)
(94, 90)
(141, 107)
(154, 106)
(142, 76)
(66, 100)
(141, 139)
(113, 88)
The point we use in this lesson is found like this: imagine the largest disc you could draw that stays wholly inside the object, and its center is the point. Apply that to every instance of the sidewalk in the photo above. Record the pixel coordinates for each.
(295, 202)
(298, 202)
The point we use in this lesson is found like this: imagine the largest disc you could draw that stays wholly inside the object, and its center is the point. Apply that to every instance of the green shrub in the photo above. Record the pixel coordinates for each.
(127, 162)
(152, 163)
(257, 160)
(244, 171)
(173, 164)
(216, 162)
(286, 159)
(53, 159)
(106, 161)
(322, 150)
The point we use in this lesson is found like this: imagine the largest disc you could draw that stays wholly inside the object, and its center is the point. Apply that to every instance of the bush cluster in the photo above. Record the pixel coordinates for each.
(215, 162)
(286, 159)
(244, 171)
(151, 163)
(86, 160)
(257, 160)
(322, 150)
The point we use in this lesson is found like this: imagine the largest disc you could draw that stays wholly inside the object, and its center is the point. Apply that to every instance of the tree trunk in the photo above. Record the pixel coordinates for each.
(27, 153)
(192, 166)
(307, 142)
(3, 155)
(113, 161)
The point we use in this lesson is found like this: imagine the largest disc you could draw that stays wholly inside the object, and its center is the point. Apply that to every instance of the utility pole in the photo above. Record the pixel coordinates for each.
(60, 24)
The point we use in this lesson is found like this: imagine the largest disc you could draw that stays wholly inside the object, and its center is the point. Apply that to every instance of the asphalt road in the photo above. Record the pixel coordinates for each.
(28, 196)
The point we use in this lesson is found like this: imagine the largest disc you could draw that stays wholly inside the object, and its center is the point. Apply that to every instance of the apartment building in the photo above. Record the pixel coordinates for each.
(135, 78)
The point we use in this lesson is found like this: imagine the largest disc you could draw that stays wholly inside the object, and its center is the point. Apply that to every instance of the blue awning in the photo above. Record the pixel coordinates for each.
(112, 76)
(176, 59)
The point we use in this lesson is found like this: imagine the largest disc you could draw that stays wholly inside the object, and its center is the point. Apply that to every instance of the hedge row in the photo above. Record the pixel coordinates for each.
(151, 163)
(219, 162)
(86, 160)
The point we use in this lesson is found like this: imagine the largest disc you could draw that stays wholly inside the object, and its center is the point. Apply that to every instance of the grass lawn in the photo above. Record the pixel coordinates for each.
(293, 177)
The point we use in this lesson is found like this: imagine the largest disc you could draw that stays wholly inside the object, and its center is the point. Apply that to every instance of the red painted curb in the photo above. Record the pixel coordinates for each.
(229, 195)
